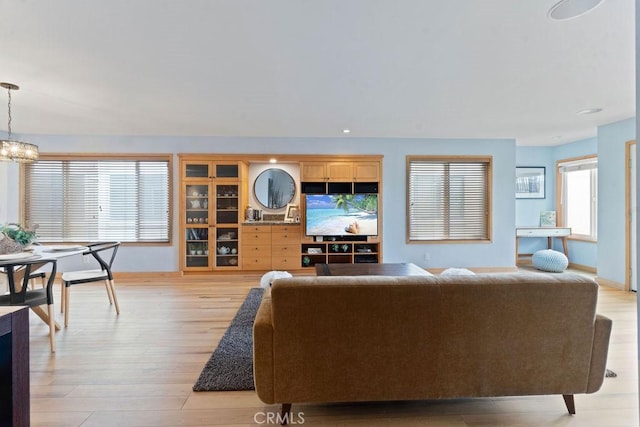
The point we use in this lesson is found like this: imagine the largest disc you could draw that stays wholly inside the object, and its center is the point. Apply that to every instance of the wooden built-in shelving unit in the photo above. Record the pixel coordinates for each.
(214, 236)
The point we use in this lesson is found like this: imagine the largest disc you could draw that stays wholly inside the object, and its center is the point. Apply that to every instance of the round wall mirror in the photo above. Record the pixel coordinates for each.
(274, 188)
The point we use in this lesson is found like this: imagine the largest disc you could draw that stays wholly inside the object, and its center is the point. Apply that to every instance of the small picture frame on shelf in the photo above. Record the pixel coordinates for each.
(292, 213)
(547, 218)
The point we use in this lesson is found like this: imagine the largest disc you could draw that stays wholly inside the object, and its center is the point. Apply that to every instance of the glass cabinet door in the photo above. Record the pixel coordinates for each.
(210, 213)
(227, 170)
(197, 227)
(198, 170)
(197, 247)
(227, 214)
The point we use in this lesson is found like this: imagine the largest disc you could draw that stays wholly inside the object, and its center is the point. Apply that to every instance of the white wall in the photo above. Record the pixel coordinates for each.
(498, 253)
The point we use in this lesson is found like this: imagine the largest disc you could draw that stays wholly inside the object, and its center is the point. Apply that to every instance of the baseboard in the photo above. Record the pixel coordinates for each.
(145, 275)
(610, 283)
(138, 276)
(581, 267)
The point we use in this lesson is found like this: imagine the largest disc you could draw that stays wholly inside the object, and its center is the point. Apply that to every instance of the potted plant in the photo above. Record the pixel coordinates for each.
(20, 234)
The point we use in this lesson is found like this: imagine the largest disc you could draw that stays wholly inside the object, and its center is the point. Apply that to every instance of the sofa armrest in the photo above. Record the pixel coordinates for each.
(263, 367)
(601, 334)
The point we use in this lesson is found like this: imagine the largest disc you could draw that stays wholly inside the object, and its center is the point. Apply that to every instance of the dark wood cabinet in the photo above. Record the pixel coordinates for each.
(14, 366)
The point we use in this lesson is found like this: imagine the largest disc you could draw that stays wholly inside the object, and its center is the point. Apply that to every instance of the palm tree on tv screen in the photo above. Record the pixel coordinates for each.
(368, 203)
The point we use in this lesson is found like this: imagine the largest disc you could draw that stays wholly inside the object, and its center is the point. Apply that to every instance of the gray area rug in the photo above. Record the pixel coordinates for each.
(231, 364)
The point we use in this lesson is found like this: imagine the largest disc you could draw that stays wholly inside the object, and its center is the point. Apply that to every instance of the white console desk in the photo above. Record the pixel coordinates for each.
(549, 232)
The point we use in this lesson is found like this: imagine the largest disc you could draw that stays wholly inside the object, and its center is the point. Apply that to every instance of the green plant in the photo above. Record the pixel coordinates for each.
(19, 234)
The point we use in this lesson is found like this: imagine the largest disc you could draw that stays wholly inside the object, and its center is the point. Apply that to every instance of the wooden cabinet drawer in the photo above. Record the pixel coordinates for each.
(256, 238)
(255, 250)
(286, 229)
(286, 263)
(256, 229)
(286, 250)
(256, 257)
(285, 237)
(256, 263)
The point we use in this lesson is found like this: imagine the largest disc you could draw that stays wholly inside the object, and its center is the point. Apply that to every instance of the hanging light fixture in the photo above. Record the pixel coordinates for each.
(16, 150)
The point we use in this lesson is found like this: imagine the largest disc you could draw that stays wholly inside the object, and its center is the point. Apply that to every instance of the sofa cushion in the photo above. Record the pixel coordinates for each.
(454, 271)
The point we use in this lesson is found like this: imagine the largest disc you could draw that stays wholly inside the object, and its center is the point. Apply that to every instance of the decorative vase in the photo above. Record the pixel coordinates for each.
(9, 246)
(14, 238)
(249, 214)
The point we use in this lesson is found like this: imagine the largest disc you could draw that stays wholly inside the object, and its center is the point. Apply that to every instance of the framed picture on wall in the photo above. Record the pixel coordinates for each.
(292, 214)
(530, 182)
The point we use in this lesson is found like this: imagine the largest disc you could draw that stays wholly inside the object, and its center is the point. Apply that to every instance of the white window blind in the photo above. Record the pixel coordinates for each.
(449, 199)
(79, 200)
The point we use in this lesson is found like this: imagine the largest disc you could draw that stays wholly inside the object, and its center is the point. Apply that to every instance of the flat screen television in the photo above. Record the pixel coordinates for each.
(341, 214)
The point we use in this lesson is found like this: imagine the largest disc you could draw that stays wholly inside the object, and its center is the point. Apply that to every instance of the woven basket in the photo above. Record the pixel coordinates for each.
(8, 245)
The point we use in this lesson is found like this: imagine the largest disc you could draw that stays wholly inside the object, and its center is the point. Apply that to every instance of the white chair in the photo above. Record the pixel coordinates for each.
(104, 253)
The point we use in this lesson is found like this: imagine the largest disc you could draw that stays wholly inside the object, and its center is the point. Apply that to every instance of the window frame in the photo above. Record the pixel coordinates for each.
(452, 159)
(168, 157)
(560, 200)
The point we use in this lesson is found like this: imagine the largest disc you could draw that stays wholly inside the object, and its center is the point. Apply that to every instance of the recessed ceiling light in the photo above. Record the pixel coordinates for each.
(569, 9)
(273, 161)
(589, 111)
(346, 130)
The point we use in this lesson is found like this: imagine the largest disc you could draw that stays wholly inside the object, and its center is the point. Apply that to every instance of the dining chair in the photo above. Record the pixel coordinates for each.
(21, 294)
(104, 253)
(38, 275)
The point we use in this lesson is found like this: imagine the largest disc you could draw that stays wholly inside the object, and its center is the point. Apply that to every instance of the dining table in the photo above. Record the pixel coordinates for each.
(14, 266)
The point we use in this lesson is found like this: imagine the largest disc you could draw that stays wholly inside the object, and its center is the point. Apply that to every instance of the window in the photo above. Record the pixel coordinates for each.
(449, 198)
(578, 198)
(78, 198)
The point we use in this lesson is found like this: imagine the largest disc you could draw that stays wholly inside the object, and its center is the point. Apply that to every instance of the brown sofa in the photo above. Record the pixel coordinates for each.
(371, 338)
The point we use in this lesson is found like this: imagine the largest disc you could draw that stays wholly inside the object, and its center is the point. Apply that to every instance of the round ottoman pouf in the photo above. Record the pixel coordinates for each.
(550, 260)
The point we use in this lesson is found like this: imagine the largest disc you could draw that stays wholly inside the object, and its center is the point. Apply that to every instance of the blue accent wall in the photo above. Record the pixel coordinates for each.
(499, 252)
(528, 210)
(612, 139)
(607, 255)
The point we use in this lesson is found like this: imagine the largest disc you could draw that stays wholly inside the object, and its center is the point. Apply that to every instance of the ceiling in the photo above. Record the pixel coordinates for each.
(311, 68)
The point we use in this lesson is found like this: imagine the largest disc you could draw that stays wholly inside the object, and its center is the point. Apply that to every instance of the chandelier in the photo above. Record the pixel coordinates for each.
(10, 149)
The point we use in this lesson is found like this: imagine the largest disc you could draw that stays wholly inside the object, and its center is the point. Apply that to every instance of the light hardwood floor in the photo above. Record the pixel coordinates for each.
(138, 369)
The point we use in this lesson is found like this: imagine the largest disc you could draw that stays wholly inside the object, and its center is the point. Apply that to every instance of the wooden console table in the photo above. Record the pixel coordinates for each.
(14, 366)
(549, 232)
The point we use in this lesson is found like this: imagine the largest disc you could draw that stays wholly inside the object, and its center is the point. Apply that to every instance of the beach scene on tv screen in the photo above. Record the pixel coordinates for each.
(342, 214)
